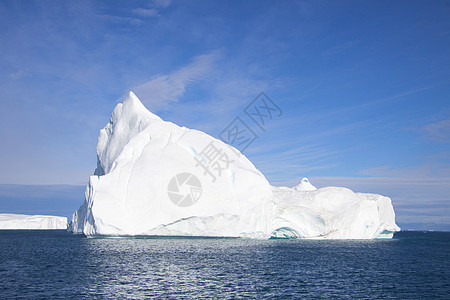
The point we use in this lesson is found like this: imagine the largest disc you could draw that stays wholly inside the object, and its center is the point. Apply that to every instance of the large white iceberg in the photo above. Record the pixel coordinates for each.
(156, 178)
(17, 221)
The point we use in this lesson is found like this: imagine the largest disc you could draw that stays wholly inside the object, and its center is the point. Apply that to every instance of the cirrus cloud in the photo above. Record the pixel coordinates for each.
(439, 131)
(163, 89)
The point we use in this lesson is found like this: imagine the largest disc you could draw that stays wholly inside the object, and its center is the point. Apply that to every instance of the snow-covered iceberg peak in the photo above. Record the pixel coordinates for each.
(156, 178)
(305, 185)
(127, 120)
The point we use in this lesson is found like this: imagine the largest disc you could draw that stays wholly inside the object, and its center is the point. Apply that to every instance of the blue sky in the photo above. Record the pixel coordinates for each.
(364, 88)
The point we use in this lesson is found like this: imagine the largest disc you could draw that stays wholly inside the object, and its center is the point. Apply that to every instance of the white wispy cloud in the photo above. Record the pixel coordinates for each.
(228, 94)
(145, 12)
(161, 90)
(436, 165)
(17, 74)
(439, 131)
(120, 19)
(153, 9)
(389, 171)
(161, 3)
(365, 104)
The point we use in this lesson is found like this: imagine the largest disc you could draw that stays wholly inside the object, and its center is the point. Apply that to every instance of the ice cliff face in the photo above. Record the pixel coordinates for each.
(16, 221)
(156, 178)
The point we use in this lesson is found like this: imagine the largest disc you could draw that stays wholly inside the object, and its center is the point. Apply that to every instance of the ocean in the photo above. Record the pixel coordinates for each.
(54, 264)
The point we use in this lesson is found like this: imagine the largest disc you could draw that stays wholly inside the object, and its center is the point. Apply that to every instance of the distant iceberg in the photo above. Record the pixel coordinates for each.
(154, 178)
(17, 221)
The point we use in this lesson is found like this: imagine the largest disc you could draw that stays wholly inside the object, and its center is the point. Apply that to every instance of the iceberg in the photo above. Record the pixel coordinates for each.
(156, 178)
(18, 221)
(331, 213)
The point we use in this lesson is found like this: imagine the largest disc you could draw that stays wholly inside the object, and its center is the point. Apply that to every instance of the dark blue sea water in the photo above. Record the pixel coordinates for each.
(56, 264)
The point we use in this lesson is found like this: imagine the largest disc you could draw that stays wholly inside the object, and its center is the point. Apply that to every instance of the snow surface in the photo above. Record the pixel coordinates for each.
(16, 221)
(142, 159)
